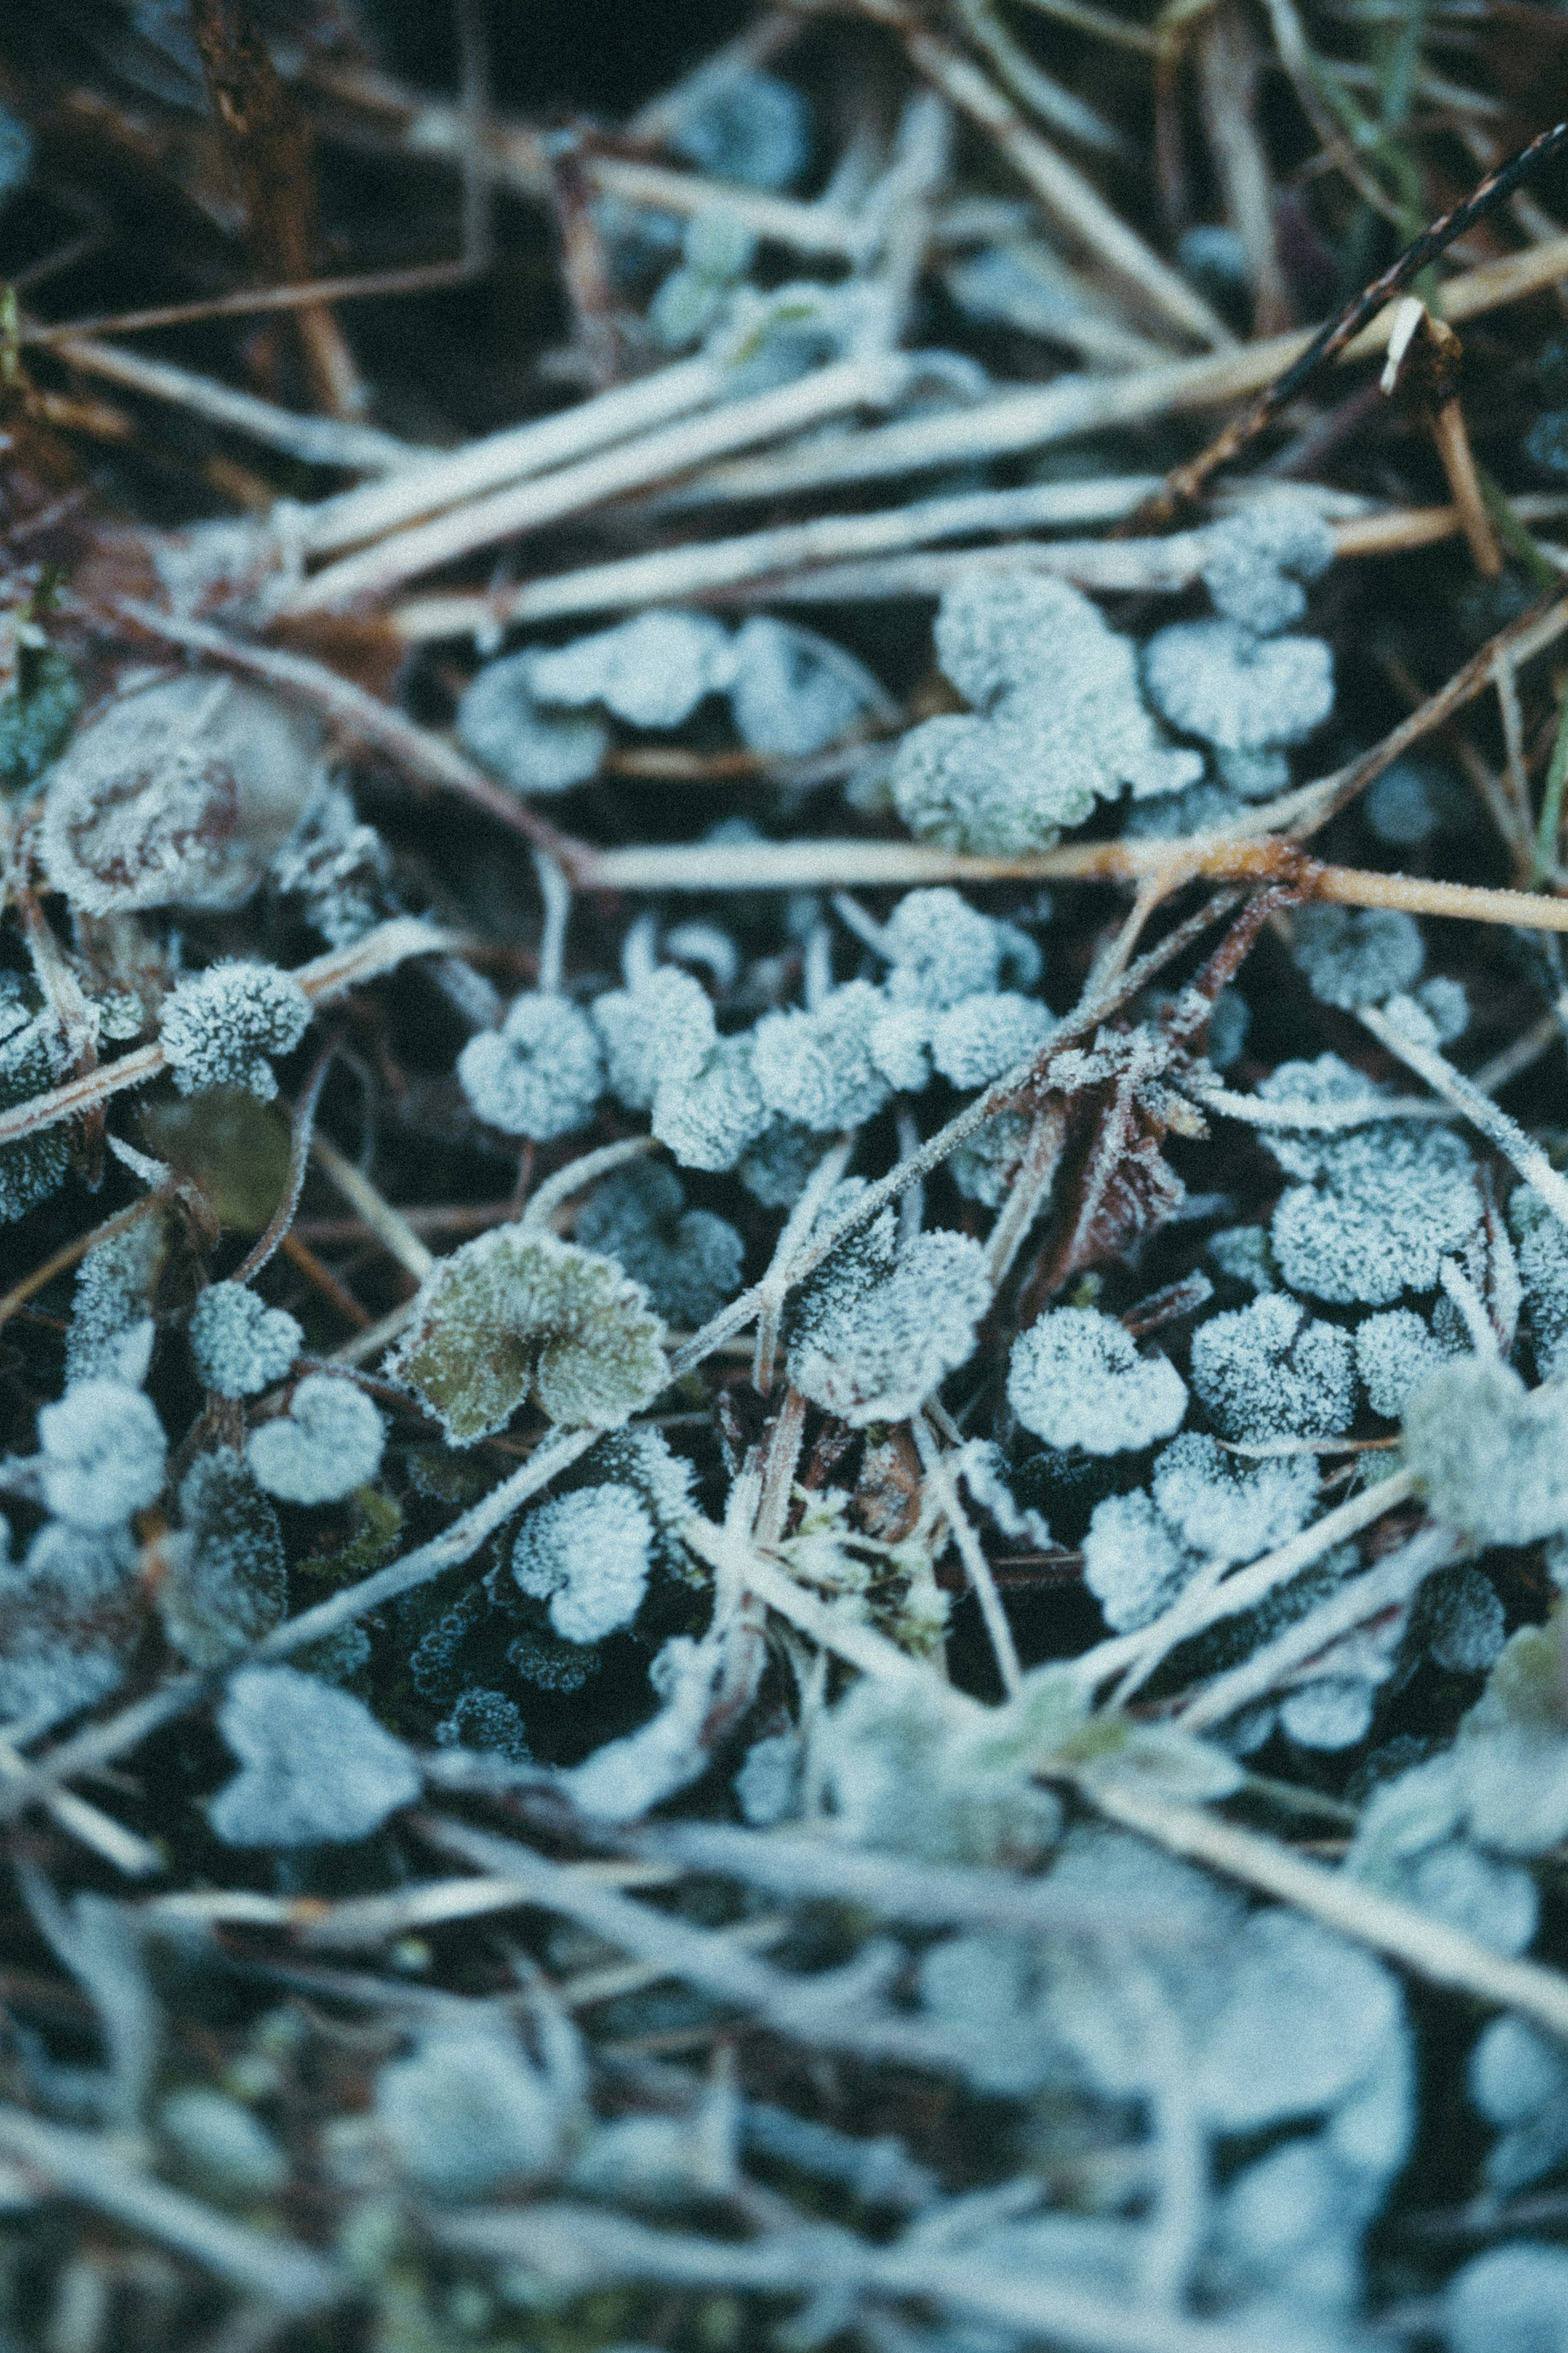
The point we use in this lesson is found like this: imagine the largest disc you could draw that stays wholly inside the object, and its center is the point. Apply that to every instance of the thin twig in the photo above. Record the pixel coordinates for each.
(998, 1632)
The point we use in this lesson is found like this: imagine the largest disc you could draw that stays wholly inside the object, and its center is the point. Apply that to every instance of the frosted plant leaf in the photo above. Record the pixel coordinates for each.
(224, 1584)
(1446, 1005)
(552, 1666)
(1252, 774)
(1075, 1378)
(1133, 1562)
(587, 1554)
(339, 868)
(1394, 1200)
(688, 1261)
(1270, 1371)
(982, 1471)
(1343, 2008)
(747, 126)
(1226, 1509)
(768, 1785)
(111, 1326)
(793, 692)
(651, 671)
(1257, 558)
(1243, 1253)
(101, 1451)
(984, 1989)
(35, 717)
(983, 1168)
(718, 250)
(1405, 806)
(645, 2161)
(900, 1046)
(1203, 807)
(327, 1444)
(219, 1027)
(176, 796)
(974, 1042)
(1393, 1354)
(1490, 1457)
(1329, 1712)
(1228, 1028)
(978, 1801)
(466, 2112)
(817, 1068)
(516, 1313)
(1512, 1755)
(35, 1166)
(241, 1345)
(1495, 1903)
(486, 1720)
(500, 724)
(219, 2142)
(1357, 955)
(539, 1074)
(69, 1619)
(1543, 1242)
(1512, 2299)
(1291, 2225)
(318, 1769)
(988, 785)
(1304, 1151)
(942, 950)
(1241, 693)
(640, 1458)
(1519, 2081)
(873, 1332)
(1458, 1618)
(709, 1120)
(658, 1035)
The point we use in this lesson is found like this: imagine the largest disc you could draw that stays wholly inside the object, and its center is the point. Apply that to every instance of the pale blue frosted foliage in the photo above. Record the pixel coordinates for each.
(1289, 2228)
(717, 250)
(1075, 1378)
(1357, 955)
(1543, 1242)
(747, 126)
(974, 1042)
(587, 1554)
(1510, 1760)
(942, 950)
(900, 1044)
(1519, 2081)
(1257, 558)
(1329, 1711)
(984, 1168)
(793, 692)
(1227, 1509)
(35, 1166)
(1490, 1457)
(774, 1169)
(818, 1067)
(219, 1027)
(219, 2142)
(659, 1034)
(316, 1769)
(1204, 807)
(539, 1074)
(466, 2112)
(873, 1332)
(1393, 1354)
(1405, 806)
(1460, 1620)
(1271, 1371)
(225, 1583)
(1243, 1253)
(978, 1801)
(708, 1121)
(327, 1444)
(1133, 1561)
(69, 1619)
(1392, 1201)
(1446, 1006)
(1513, 2299)
(111, 1326)
(240, 1345)
(339, 868)
(641, 1459)
(768, 1785)
(102, 1455)
(1238, 692)
(651, 671)
(486, 1720)
(1305, 1150)
(499, 722)
(688, 1260)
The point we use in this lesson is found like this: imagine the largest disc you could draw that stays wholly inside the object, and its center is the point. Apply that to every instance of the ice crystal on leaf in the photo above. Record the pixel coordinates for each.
(1075, 1378)
(1543, 1242)
(873, 1332)
(517, 1313)
(101, 1451)
(1519, 2081)
(587, 1554)
(219, 1027)
(978, 1801)
(1513, 2299)
(225, 1581)
(1271, 1371)
(657, 1035)
(466, 2112)
(1228, 1509)
(1393, 1354)
(818, 1067)
(35, 1166)
(486, 1720)
(499, 722)
(1257, 558)
(1357, 955)
(942, 950)
(240, 1345)
(747, 126)
(1133, 1561)
(688, 1261)
(1241, 692)
(793, 692)
(69, 1619)
(176, 796)
(651, 671)
(327, 1444)
(983, 1168)
(1303, 1151)
(316, 1769)
(111, 1326)
(1490, 1456)
(1393, 1200)
(1460, 1620)
(974, 1042)
(539, 1074)
(339, 868)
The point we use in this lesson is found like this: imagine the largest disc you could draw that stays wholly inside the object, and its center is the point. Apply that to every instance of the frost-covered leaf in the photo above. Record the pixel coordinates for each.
(587, 1554)
(219, 1027)
(225, 1582)
(688, 1261)
(327, 1444)
(1269, 1371)
(1490, 1456)
(973, 1042)
(1228, 1509)
(111, 1326)
(35, 1166)
(1543, 1242)
(746, 125)
(338, 869)
(101, 1451)
(37, 715)
(793, 693)
(240, 1345)
(1133, 1561)
(942, 950)
(234, 1148)
(709, 1121)
(1342, 2006)
(1357, 955)
(768, 1784)
(1393, 1200)
(318, 1769)
(978, 1800)
(652, 671)
(517, 1313)
(69, 1618)
(1512, 2299)
(1393, 1354)
(1519, 2081)
(1512, 1755)
(222, 2145)
(1257, 559)
(1238, 692)
(659, 1034)
(466, 2112)
(1075, 1378)
(539, 1074)
(486, 1720)
(500, 723)
(875, 1331)
(817, 1068)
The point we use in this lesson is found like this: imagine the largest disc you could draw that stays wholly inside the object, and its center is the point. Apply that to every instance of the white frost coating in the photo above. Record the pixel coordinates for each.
(1133, 1562)
(1269, 1371)
(318, 1769)
(793, 692)
(942, 950)
(222, 2145)
(1228, 1509)
(874, 1332)
(70, 1616)
(657, 1035)
(688, 1260)
(1490, 1456)
(327, 1444)
(587, 1554)
(1357, 955)
(1543, 1272)
(1075, 1378)
(974, 1042)
(1513, 2299)
(1241, 692)
(652, 672)
(1393, 1354)
(111, 1327)
(709, 1120)
(817, 1068)
(240, 1345)
(539, 1074)
(1257, 558)
(1519, 2081)
(501, 724)
(219, 1027)
(467, 2113)
(1392, 1201)
(225, 1580)
(747, 126)
(101, 1457)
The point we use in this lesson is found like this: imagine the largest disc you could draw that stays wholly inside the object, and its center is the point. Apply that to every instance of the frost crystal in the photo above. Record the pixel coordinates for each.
(516, 1313)
(1393, 1354)
(817, 1068)
(327, 1444)
(69, 1619)
(1230, 1510)
(587, 1556)
(1304, 1151)
(1077, 1379)
(466, 2112)
(219, 1027)
(102, 1455)
(983, 1168)
(941, 949)
(1241, 692)
(499, 722)
(486, 1719)
(1543, 1242)
(1519, 2081)
(1513, 2299)
(873, 1334)
(1491, 1458)
(338, 868)
(1269, 1371)
(1132, 1562)
(317, 1768)
(539, 1074)
(35, 1166)
(746, 126)
(240, 1345)
(656, 1036)
(1357, 955)
(978, 1800)
(652, 672)
(225, 1583)
(793, 692)
(1063, 723)
(1395, 1201)
(974, 1042)
(688, 1261)
(111, 1326)
(1257, 558)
